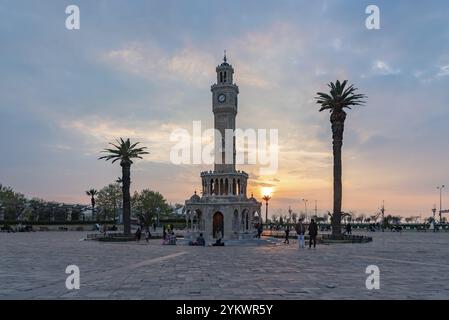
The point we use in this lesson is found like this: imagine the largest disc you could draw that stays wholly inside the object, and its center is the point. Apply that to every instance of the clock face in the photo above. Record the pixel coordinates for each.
(221, 98)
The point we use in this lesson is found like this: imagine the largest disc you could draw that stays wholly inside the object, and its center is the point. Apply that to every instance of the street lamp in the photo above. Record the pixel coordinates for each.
(434, 209)
(267, 198)
(441, 189)
(158, 210)
(305, 206)
(290, 214)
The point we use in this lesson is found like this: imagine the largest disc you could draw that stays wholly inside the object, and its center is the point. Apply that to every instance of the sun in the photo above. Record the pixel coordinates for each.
(266, 191)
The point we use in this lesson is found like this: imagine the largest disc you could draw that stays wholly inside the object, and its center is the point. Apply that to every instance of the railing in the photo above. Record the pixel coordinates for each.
(93, 236)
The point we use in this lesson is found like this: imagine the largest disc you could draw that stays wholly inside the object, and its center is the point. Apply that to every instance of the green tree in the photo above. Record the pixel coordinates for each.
(125, 152)
(12, 203)
(146, 205)
(340, 97)
(108, 199)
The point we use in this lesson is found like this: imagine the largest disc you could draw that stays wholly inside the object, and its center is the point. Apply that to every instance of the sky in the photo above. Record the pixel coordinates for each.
(141, 69)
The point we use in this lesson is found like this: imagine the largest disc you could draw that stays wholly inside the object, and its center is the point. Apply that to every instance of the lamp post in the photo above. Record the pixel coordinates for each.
(267, 198)
(158, 210)
(382, 210)
(290, 214)
(305, 205)
(434, 209)
(441, 189)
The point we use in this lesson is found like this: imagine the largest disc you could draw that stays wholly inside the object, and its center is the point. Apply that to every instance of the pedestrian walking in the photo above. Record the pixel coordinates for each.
(300, 231)
(287, 232)
(313, 232)
(147, 234)
(259, 230)
(138, 234)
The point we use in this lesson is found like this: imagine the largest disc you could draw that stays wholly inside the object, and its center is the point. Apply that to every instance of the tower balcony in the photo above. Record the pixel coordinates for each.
(220, 184)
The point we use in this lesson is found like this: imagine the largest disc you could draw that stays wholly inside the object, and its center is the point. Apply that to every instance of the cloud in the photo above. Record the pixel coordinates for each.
(153, 135)
(444, 71)
(150, 61)
(337, 44)
(142, 85)
(263, 184)
(382, 68)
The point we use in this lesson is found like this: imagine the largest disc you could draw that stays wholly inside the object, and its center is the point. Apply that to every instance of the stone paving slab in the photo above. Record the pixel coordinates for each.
(412, 266)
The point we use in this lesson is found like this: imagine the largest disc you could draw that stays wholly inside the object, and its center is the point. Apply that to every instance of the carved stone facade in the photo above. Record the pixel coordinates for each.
(224, 209)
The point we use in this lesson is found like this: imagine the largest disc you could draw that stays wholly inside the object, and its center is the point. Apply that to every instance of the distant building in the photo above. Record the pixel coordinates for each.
(179, 211)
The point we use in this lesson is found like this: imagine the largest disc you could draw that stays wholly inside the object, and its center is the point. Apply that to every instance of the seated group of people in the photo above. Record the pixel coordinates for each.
(169, 238)
(218, 243)
(200, 241)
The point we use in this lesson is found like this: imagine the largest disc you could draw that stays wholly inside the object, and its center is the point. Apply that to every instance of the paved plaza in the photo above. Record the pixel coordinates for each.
(412, 266)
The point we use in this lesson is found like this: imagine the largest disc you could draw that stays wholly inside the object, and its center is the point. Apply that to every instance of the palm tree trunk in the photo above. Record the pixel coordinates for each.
(337, 120)
(92, 202)
(126, 178)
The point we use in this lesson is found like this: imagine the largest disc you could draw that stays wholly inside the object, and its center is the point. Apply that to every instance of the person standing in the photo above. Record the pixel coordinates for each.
(259, 230)
(300, 231)
(147, 234)
(313, 232)
(348, 229)
(138, 234)
(287, 232)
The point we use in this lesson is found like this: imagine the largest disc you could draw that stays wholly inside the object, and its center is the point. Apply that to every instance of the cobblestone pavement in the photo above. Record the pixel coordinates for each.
(412, 266)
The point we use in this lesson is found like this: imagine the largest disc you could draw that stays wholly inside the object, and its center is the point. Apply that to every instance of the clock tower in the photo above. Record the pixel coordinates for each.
(224, 210)
(224, 107)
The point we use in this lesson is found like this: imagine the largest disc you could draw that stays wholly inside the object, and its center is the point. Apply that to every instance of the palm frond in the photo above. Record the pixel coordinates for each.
(340, 96)
(123, 150)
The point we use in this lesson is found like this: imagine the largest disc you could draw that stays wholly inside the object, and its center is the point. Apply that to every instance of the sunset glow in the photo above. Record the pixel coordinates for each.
(267, 191)
(393, 151)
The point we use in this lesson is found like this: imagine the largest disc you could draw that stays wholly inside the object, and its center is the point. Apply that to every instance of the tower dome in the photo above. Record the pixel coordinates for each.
(195, 197)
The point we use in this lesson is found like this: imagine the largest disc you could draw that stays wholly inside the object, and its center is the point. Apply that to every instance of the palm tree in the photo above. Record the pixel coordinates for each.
(340, 97)
(125, 152)
(92, 193)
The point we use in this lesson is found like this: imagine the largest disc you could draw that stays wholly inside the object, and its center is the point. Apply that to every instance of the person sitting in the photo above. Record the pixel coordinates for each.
(172, 239)
(218, 243)
(200, 241)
